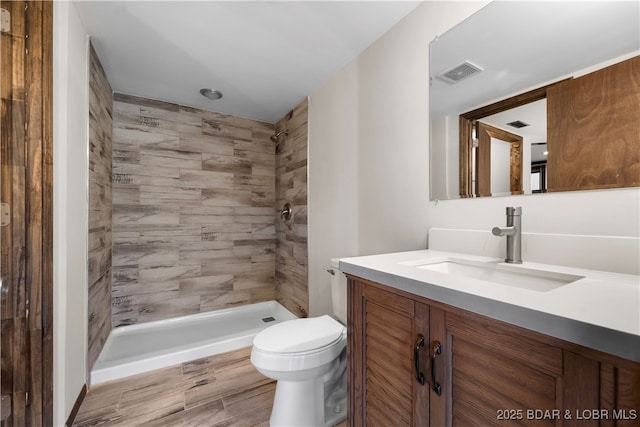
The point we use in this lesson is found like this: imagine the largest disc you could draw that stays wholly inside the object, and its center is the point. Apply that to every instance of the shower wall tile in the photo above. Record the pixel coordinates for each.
(291, 187)
(100, 197)
(193, 219)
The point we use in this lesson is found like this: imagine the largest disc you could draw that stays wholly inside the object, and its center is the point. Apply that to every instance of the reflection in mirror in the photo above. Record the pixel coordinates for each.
(503, 56)
(500, 158)
(539, 167)
(498, 161)
(474, 167)
(529, 122)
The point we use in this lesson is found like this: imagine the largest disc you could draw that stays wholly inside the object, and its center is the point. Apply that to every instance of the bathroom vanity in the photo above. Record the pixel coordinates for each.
(441, 339)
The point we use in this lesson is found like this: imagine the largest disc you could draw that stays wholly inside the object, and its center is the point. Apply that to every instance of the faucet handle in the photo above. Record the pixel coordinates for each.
(503, 231)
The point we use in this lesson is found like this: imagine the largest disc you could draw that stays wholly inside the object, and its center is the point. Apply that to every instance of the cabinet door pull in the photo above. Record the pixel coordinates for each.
(416, 359)
(435, 350)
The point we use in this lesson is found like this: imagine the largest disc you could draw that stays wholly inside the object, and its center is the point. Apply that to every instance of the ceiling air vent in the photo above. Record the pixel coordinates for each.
(518, 124)
(460, 72)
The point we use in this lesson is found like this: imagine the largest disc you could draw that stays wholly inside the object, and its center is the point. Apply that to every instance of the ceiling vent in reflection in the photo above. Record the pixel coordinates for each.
(460, 72)
(518, 124)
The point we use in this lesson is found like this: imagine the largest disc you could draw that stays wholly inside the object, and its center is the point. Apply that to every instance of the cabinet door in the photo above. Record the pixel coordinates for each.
(496, 374)
(606, 383)
(620, 392)
(384, 330)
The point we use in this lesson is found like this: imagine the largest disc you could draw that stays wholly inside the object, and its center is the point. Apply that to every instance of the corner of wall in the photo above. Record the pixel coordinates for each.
(70, 85)
(100, 129)
(292, 259)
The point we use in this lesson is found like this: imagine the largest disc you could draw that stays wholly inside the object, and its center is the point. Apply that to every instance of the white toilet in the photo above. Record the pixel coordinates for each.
(308, 358)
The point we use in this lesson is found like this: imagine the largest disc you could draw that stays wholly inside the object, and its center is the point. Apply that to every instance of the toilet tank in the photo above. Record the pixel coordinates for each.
(338, 291)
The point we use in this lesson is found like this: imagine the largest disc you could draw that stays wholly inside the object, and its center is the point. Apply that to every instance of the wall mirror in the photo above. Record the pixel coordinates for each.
(518, 68)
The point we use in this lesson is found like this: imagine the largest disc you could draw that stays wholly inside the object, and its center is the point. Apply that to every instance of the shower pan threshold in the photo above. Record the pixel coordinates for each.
(135, 349)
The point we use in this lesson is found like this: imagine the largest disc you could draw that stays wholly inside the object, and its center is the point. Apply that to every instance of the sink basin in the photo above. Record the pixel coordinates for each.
(504, 274)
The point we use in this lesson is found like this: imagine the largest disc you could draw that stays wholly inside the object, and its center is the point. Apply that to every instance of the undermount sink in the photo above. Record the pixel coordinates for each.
(504, 274)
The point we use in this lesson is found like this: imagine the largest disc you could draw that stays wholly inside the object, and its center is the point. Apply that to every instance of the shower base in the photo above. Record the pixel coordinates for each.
(134, 349)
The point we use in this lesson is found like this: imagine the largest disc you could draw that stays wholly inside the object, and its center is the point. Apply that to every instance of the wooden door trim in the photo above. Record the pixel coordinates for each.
(483, 159)
(27, 105)
(47, 213)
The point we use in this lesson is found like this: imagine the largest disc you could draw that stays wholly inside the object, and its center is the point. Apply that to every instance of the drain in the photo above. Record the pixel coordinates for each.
(268, 319)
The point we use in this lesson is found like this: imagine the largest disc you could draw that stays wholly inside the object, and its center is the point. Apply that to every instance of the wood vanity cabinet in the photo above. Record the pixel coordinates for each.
(383, 331)
(489, 372)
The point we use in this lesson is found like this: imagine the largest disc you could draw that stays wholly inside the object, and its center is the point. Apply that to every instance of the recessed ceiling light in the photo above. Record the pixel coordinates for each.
(211, 94)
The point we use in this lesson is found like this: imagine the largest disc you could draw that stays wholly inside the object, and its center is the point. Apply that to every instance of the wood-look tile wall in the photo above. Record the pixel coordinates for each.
(292, 272)
(193, 211)
(100, 195)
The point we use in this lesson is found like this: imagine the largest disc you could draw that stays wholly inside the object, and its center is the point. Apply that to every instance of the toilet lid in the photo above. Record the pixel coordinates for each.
(299, 335)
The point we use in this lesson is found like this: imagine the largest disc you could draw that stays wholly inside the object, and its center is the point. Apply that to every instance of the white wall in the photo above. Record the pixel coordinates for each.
(381, 130)
(369, 151)
(444, 158)
(70, 207)
(332, 183)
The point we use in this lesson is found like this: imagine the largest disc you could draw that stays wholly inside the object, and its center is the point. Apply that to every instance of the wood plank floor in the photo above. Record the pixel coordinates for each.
(221, 390)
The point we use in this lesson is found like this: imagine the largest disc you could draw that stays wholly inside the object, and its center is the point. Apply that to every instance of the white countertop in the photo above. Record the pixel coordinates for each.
(601, 310)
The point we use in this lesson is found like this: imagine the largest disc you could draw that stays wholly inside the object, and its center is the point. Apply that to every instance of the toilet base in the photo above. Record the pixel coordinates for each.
(298, 403)
(335, 405)
(305, 403)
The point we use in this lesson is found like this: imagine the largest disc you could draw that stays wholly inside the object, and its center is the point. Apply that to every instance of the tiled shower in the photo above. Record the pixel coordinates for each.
(192, 224)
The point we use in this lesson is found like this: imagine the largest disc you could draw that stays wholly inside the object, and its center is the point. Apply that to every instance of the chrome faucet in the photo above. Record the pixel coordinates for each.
(513, 233)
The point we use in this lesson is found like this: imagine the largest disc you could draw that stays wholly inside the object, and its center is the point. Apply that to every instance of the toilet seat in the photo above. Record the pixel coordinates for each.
(299, 344)
(299, 335)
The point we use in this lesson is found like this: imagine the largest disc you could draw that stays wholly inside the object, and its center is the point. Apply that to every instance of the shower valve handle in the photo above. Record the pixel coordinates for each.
(285, 213)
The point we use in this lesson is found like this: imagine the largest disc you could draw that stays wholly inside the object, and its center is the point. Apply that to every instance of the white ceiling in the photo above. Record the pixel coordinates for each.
(264, 56)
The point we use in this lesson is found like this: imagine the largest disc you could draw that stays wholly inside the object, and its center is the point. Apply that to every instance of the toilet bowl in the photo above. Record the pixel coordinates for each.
(305, 357)
(308, 359)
